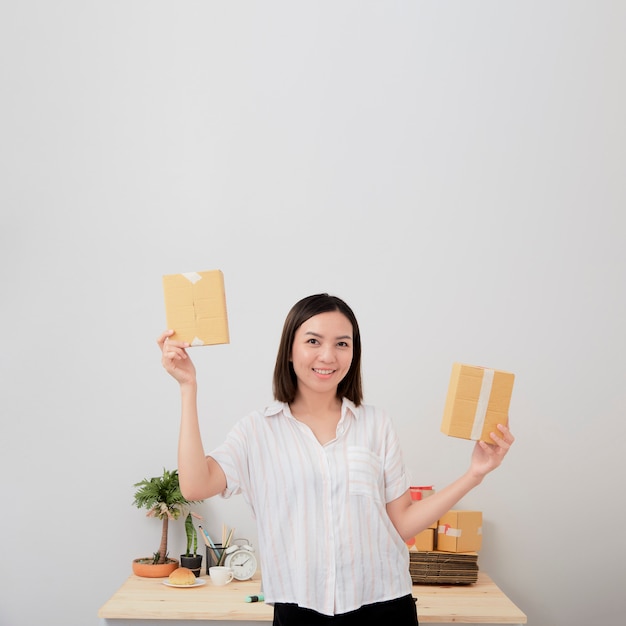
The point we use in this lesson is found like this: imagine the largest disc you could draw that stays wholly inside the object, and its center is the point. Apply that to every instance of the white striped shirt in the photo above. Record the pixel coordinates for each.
(325, 540)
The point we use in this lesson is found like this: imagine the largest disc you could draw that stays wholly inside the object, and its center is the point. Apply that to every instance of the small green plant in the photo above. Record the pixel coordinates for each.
(162, 497)
(192, 536)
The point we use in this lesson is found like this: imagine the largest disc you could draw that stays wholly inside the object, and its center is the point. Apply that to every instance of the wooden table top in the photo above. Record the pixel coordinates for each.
(148, 598)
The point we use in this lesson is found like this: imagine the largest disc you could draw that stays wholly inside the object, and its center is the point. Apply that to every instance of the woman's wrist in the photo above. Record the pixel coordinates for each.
(189, 387)
(474, 478)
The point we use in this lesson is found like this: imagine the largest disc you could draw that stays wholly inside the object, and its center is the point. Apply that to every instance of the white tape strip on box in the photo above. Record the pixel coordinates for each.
(483, 403)
(444, 529)
(192, 277)
(447, 530)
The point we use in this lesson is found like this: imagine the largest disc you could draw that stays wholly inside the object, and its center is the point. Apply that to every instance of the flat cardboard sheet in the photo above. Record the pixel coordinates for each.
(195, 307)
(443, 568)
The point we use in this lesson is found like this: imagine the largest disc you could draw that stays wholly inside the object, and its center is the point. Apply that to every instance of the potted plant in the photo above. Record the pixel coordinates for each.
(162, 497)
(191, 559)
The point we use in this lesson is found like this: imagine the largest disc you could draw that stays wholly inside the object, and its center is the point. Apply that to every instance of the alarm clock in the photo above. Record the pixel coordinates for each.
(241, 558)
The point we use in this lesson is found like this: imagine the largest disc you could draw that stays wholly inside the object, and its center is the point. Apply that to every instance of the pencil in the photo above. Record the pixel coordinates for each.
(226, 545)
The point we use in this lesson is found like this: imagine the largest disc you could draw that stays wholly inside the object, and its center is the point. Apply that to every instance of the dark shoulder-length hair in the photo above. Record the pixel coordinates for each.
(285, 382)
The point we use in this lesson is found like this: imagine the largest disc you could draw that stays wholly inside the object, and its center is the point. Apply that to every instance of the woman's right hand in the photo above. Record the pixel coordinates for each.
(175, 359)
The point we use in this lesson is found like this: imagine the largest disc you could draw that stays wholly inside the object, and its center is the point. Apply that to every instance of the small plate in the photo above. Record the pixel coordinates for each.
(199, 582)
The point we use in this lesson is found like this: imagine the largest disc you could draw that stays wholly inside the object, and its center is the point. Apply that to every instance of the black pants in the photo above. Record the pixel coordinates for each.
(400, 612)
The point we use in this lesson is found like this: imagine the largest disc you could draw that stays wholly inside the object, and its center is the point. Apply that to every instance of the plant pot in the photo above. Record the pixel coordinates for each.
(194, 563)
(147, 569)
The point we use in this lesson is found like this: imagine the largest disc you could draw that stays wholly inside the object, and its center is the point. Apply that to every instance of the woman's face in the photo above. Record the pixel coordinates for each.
(321, 354)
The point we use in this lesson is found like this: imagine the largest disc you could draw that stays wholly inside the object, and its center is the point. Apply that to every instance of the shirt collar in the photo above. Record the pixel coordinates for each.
(276, 407)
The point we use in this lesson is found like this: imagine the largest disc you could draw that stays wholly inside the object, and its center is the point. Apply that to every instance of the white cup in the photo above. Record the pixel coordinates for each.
(220, 575)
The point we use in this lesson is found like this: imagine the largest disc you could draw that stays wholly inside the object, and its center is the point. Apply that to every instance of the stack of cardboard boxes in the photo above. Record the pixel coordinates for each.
(446, 552)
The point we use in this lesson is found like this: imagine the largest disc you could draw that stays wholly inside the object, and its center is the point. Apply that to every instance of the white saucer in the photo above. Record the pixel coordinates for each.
(199, 582)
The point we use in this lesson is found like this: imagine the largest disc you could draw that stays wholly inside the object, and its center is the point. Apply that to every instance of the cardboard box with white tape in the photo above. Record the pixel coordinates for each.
(460, 531)
(195, 307)
(478, 400)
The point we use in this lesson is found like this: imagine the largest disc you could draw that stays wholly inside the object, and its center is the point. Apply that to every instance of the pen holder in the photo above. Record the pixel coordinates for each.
(212, 558)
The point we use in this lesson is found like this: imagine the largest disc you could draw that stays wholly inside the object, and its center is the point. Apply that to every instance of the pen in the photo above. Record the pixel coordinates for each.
(206, 534)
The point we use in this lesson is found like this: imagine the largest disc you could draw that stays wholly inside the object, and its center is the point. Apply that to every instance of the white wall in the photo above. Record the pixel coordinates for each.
(454, 170)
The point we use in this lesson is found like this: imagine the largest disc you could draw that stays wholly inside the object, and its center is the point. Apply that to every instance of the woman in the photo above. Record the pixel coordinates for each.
(323, 474)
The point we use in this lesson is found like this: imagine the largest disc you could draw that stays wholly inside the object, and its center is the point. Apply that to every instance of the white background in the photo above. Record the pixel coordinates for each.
(454, 170)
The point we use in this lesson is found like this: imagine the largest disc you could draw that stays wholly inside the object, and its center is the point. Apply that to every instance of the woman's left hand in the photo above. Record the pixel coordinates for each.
(487, 456)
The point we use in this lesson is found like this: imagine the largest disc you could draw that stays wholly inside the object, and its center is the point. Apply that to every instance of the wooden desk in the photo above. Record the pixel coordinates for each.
(149, 599)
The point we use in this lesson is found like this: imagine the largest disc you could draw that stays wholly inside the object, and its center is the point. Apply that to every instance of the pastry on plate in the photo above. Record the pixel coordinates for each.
(182, 576)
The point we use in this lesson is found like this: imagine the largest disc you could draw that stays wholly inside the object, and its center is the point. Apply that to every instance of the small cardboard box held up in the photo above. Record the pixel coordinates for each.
(478, 399)
(460, 531)
(195, 307)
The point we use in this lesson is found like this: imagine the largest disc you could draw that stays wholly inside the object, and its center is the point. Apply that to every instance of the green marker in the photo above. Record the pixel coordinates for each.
(258, 598)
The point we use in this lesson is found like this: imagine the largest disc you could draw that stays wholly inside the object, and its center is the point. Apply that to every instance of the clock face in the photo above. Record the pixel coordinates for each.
(243, 563)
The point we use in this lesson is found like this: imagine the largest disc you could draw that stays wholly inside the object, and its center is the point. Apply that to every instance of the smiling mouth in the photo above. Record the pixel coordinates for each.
(323, 372)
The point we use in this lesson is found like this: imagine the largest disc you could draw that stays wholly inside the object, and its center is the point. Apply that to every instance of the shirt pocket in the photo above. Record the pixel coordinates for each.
(364, 473)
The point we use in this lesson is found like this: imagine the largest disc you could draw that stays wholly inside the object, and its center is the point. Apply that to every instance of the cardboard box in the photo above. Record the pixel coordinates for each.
(460, 531)
(425, 541)
(478, 399)
(195, 307)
